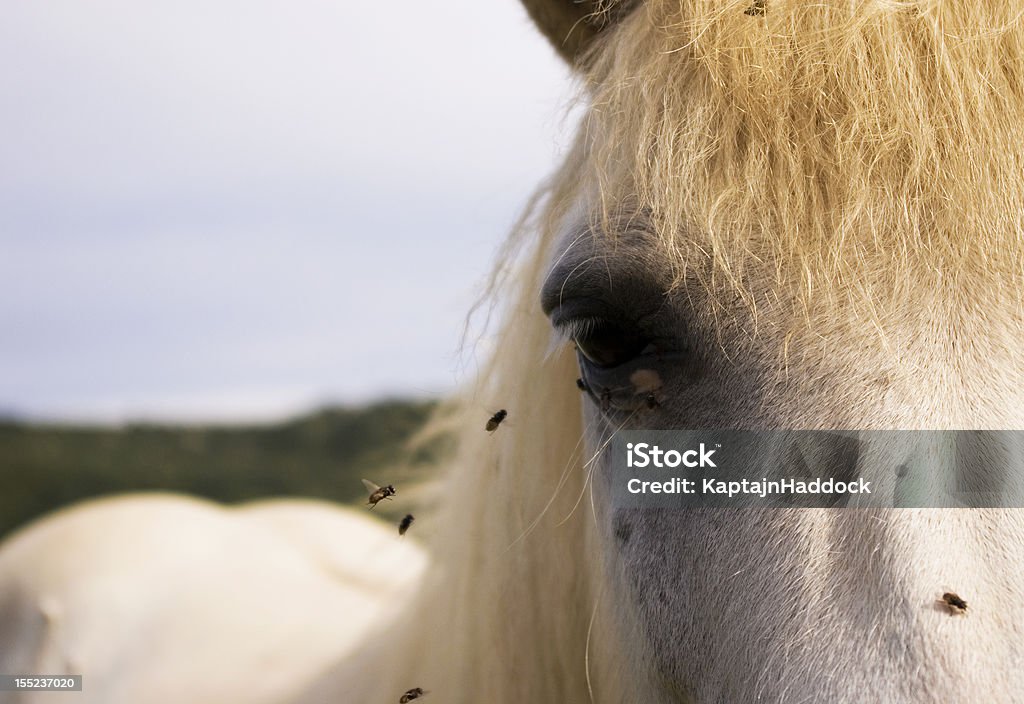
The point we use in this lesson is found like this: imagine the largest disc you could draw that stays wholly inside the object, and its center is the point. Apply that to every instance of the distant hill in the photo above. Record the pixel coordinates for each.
(322, 455)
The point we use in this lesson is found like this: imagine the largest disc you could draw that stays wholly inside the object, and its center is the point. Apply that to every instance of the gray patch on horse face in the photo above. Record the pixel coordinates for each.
(623, 529)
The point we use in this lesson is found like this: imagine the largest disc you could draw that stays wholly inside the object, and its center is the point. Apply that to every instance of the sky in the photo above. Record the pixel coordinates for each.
(231, 211)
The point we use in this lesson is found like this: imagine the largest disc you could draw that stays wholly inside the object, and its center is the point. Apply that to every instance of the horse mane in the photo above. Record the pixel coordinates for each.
(846, 146)
(509, 600)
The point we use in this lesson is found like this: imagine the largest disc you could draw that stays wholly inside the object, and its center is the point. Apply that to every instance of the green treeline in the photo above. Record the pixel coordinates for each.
(323, 455)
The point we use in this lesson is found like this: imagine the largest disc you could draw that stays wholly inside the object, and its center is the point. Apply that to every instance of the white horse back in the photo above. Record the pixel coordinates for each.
(164, 598)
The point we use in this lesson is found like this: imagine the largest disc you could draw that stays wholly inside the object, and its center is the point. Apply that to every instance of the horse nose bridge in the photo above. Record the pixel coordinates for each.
(920, 469)
(836, 454)
(823, 455)
(987, 467)
(967, 468)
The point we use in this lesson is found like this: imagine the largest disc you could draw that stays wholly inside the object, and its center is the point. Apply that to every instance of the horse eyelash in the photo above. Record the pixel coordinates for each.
(574, 328)
(567, 331)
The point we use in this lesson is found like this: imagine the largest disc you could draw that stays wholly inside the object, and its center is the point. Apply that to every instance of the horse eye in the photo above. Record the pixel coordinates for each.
(606, 344)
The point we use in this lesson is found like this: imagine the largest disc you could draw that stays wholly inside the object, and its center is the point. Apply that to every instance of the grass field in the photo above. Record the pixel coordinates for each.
(322, 455)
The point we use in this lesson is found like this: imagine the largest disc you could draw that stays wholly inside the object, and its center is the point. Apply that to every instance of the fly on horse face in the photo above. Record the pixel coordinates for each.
(779, 215)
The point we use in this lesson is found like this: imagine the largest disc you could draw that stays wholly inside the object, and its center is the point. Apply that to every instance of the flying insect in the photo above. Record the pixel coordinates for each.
(405, 523)
(378, 493)
(495, 420)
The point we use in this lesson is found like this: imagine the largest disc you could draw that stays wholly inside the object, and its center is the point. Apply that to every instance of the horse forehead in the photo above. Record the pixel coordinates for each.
(906, 308)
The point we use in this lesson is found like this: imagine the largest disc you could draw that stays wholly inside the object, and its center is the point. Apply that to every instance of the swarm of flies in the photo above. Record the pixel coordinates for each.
(378, 493)
(414, 693)
(605, 396)
(494, 421)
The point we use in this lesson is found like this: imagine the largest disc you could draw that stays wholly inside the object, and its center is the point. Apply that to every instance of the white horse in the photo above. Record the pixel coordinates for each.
(163, 598)
(777, 215)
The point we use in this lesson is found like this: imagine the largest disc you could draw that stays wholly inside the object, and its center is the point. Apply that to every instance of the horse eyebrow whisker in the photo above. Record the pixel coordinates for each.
(554, 494)
(586, 648)
(589, 467)
(553, 267)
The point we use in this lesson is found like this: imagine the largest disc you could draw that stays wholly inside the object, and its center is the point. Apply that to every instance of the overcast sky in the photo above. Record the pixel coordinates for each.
(238, 210)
